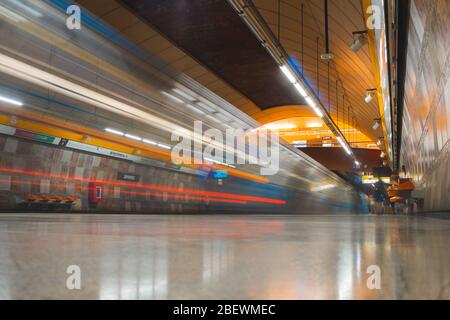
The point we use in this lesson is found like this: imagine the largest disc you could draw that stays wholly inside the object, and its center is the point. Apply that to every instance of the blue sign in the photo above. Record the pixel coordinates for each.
(220, 174)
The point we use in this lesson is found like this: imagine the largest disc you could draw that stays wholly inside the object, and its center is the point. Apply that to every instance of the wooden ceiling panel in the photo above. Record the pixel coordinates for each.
(120, 19)
(354, 71)
(100, 7)
(212, 32)
(153, 42)
(138, 33)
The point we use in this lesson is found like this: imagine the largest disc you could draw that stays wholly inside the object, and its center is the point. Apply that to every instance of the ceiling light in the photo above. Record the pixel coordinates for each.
(153, 143)
(314, 125)
(130, 136)
(382, 154)
(300, 89)
(285, 126)
(318, 112)
(172, 97)
(357, 163)
(347, 150)
(119, 133)
(327, 145)
(344, 145)
(311, 102)
(164, 146)
(288, 74)
(183, 94)
(11, 101)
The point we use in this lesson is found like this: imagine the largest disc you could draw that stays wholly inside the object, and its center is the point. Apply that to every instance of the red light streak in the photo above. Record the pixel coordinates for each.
(201, 193)
(146, 193)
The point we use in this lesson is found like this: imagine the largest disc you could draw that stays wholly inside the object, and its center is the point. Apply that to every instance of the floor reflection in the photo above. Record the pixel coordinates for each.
(223, 257)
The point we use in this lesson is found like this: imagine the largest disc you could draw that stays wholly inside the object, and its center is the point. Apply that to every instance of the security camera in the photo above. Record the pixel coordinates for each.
(369, 96)
(359, 40)
(376, 124)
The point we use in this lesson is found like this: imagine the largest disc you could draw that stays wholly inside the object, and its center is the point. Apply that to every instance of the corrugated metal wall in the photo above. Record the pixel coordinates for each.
(426, 121)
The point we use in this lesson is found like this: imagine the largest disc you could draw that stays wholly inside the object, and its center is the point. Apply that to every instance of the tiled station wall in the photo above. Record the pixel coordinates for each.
(426, 120)
(18, 154)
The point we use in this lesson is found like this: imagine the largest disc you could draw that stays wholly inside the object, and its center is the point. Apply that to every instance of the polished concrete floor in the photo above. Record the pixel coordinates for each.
(224, 257)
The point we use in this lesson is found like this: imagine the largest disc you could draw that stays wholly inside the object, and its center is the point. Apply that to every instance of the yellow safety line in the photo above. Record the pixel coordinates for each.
(43, 124)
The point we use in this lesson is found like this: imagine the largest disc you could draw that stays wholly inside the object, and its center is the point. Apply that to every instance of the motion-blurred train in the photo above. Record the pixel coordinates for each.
(86, 119)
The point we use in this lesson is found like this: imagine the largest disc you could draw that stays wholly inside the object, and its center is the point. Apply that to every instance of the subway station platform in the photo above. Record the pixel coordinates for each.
(224, 257)
(225, 149)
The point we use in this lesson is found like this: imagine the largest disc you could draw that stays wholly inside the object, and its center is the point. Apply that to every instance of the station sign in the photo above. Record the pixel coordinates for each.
(128, 177)
(220, 174)
(34, 136)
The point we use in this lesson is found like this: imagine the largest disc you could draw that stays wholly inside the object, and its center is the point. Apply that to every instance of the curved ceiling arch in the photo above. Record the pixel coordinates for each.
(352, 71)
(282, 112)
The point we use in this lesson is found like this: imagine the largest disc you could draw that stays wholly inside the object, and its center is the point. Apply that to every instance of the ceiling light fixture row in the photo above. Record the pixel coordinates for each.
(250, 15)
(136, 138)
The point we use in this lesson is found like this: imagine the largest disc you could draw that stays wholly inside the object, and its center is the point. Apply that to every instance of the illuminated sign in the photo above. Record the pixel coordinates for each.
(371, 179)
(220, 174)
(34, 136)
